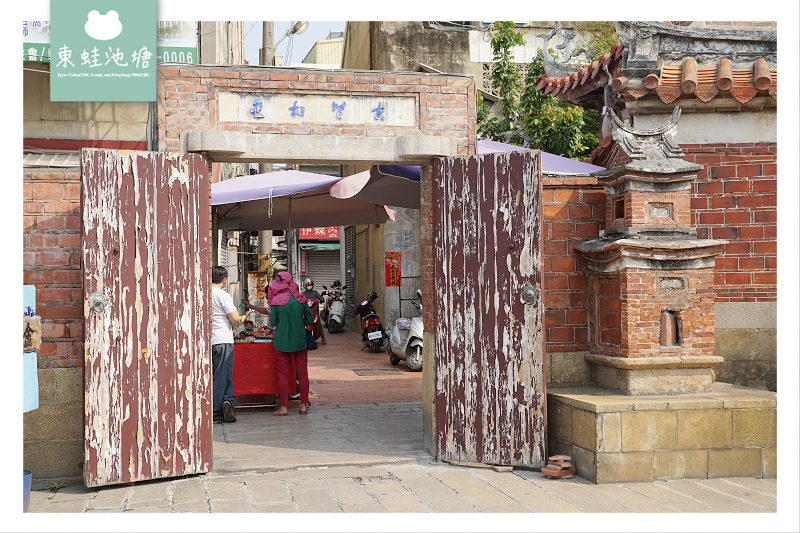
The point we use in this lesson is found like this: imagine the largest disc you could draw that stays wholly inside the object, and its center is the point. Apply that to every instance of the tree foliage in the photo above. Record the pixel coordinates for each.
(600, 37)
(527, 117)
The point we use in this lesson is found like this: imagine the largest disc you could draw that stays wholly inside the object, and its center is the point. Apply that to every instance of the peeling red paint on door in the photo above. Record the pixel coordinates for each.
(489, 367)
(146, 266)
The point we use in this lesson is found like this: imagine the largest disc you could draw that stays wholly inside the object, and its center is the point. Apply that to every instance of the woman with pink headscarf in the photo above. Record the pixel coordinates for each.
(289, 314)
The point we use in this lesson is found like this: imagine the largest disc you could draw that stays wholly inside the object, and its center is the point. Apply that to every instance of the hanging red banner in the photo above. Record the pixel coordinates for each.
(393, 269)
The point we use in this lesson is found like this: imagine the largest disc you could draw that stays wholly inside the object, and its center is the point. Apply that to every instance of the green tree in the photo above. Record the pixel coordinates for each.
(527, 117)
(599, 37)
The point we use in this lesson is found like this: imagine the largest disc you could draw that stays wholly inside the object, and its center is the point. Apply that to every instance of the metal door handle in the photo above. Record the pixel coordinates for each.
(98, 301)
(530, 294)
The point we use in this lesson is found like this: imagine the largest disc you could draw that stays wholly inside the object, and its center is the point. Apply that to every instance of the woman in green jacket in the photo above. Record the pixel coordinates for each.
(289, 314)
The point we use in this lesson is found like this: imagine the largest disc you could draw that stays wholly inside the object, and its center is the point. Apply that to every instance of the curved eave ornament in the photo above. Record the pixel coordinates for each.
(653, 151)
(552, 68)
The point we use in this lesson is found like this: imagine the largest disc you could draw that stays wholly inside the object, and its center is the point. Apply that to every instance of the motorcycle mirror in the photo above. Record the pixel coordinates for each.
(344, 287)
(419, 293)
(324, 287)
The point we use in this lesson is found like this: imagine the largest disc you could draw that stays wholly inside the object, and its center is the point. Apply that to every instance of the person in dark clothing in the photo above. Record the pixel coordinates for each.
(311, 294)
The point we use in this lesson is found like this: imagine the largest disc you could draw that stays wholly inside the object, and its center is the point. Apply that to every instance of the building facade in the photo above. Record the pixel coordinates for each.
(574, 209)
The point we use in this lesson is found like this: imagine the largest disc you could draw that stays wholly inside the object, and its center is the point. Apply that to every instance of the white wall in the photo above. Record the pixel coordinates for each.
(699, 128)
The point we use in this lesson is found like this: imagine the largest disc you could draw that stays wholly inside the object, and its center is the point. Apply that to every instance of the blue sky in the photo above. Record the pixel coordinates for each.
(317, 31)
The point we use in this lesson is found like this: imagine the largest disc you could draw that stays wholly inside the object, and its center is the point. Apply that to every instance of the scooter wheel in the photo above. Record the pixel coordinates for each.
(394, 359)
(414, 359)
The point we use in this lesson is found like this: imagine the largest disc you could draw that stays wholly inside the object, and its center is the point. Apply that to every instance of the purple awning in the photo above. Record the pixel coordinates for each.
(288, 199)
(551, 163)
(398, 185)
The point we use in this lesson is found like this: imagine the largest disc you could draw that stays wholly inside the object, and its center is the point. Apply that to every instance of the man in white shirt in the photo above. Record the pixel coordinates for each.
(224, 316)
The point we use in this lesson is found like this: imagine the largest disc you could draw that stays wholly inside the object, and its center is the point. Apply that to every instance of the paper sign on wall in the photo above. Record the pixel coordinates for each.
(393, 271)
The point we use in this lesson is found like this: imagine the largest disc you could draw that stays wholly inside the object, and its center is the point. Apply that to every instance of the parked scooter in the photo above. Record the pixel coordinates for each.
(406, 340)
(372, 333)
(335, 300)
(325, 307)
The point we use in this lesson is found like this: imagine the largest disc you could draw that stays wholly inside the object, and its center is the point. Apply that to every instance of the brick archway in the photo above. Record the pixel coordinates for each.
(307, 116)
(268, 115)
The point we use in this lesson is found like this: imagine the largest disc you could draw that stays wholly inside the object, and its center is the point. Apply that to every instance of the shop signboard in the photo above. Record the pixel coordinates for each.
(329, 233)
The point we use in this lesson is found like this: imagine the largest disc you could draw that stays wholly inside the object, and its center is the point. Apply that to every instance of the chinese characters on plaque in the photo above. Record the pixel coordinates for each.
(338, 109)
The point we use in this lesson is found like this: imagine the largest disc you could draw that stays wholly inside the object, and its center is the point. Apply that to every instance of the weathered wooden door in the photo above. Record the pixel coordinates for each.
(489, 367)
(146, 266)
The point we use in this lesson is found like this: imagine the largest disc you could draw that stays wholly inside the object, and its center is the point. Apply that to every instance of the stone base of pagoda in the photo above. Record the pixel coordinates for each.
(653, 375)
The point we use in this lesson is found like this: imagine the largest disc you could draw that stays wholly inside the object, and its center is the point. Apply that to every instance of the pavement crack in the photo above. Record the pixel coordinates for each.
(206, 494)
(171, 496)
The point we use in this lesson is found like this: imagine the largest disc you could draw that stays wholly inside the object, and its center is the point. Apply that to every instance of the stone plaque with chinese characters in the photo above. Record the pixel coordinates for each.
(320, 109)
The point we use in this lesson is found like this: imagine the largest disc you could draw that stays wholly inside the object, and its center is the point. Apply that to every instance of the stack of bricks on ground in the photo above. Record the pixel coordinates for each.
(559, 466)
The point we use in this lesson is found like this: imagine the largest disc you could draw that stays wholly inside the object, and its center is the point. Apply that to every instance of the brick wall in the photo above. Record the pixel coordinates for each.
(446, 103)
(52, 261)
(643, 302)
(573, 212)
(639, 212)
(735, 198)
(426, 245)
(53, 432)
(605, 297)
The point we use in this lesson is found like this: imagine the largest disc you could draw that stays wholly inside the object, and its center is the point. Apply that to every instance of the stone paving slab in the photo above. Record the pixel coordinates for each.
(293, 465)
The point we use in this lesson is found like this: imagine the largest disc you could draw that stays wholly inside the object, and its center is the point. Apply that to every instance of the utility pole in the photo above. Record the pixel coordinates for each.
(266, 55)
(267, 58)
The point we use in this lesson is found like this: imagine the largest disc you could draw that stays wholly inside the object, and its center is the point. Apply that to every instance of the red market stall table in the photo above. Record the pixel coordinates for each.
(255, 371)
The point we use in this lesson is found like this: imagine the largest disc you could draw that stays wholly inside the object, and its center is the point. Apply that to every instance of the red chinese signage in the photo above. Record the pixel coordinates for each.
(393, 269)
(319, 233)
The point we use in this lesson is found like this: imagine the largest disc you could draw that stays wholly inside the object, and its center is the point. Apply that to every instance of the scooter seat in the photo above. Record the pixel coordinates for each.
(403, 323)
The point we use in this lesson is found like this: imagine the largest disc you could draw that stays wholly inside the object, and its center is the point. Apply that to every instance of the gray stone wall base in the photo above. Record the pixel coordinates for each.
(653, 375)
(568, 368)
(53, 432)
(728, 432)
(746, 336)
